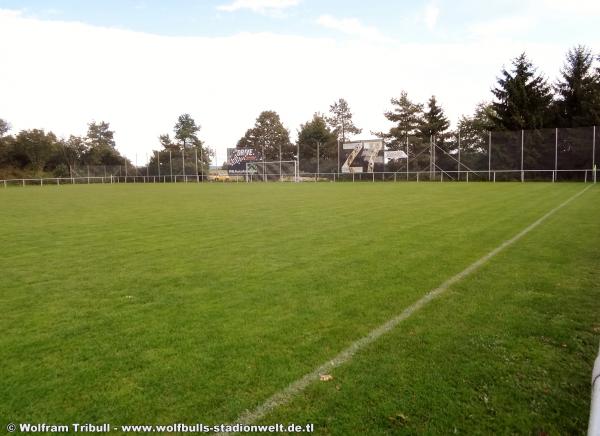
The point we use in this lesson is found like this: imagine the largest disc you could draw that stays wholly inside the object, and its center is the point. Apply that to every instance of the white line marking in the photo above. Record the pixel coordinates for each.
(284, 396)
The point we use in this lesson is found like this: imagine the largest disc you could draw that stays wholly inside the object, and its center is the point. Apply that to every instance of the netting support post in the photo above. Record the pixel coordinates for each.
(489, 155)
(458, 172)
(158, 164)
(196, 160)
(522, 148)
(594, 153)
(555, 155)
(407, 159)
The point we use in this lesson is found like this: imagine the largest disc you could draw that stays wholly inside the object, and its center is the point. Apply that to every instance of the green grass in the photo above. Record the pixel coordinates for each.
(192, 303)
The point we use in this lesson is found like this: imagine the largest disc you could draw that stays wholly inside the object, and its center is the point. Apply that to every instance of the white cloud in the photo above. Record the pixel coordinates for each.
(61, 75)
(502, 28)
(258, 5)
(431, 15)
(572, 7)
(351, 26)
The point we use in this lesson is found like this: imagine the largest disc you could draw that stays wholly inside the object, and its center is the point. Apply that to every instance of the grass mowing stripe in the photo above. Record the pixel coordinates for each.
(284, 396)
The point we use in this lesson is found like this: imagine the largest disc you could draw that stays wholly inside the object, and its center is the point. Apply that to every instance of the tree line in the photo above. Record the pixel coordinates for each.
(522, 98)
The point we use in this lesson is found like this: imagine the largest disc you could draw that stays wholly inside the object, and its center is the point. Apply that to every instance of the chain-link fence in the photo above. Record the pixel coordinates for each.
(567, 154)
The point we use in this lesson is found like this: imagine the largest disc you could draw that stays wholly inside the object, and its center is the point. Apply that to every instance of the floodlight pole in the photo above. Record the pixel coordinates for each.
(489, 156)
(522, 147)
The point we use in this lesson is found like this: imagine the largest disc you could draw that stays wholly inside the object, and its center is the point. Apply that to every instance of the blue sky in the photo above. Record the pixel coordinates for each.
(401, 20)
(138, 64)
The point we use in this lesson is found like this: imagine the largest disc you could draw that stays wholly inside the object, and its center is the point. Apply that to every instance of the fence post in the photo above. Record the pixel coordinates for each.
(407, 157)
(494, 176)
(183, 163)
(522, 144)
(458, 175)
(158, 163)
(417, 177)
(196, 160)
(467, 177)
(23, 183)
(555, 155)
(489, 155)
(171, 167)
(594, 153)
(41, 182)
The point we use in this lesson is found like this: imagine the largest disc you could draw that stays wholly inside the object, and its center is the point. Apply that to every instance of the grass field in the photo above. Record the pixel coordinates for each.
(156, 304)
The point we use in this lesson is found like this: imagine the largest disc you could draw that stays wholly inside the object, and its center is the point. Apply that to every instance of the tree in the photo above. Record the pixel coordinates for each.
(474, 131)
(73, 151)
(101, 147)
(268, 137)
(100, 135)
(434, 127)
(578, 102)
(37, 146)
(4, 127)
(186, 131)
(434, 121)
(523, 98)
(5, 144)
(315, 134)
(341, 122)
(407, 117)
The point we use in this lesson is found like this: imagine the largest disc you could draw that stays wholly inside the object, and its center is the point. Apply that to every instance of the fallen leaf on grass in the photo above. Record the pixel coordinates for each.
(325, 377)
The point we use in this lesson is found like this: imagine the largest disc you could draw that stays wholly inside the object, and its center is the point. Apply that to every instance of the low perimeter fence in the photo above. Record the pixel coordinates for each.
(585, 176)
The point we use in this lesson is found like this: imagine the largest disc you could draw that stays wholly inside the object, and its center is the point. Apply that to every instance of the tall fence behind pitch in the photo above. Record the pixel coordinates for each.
(567, 154)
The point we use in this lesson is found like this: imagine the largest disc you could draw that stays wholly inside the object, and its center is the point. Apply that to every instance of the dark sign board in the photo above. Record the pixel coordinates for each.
(237, 159)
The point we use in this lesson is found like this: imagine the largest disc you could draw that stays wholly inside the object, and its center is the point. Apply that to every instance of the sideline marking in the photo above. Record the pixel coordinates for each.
(285, 395)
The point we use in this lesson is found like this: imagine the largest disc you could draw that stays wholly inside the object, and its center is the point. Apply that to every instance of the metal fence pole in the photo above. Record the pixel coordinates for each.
(183, 163)
(458, 175)
(338, 156)
(318, 161)
(522, 146)
(171, 166)
(555, 154)
(280, 176)
(407, 157)
(489, 155)
(196, 160)
(594, 153)
(158, 164)
(125, 160)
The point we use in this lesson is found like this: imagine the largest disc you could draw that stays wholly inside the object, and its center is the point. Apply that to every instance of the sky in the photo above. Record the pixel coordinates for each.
(139, 64)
